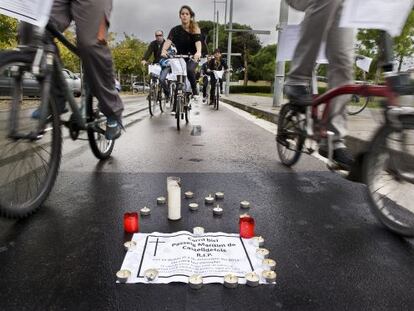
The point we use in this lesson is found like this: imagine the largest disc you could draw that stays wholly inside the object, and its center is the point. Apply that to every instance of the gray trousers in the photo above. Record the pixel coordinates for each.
(96, 56)
(321, 24)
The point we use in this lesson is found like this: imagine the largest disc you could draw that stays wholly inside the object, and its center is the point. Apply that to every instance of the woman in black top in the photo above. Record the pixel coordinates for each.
(187, 39)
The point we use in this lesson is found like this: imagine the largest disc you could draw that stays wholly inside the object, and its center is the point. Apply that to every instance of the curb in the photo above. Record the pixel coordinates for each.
(354, 144)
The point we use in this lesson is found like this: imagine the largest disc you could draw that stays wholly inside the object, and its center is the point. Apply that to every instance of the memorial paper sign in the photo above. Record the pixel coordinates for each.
(35, 12)
(364, 63)
(288, 40)
(177, 256)
(389, 15)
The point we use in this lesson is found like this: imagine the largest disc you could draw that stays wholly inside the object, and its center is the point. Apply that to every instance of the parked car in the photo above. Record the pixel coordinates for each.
(140, 87)
(31, 85)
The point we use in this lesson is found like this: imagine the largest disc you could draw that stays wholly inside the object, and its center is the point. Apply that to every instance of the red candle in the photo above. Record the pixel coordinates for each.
(246, 226)
(131, 222)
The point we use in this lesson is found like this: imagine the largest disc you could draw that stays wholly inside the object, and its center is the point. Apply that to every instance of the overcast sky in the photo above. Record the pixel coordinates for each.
(143, 17)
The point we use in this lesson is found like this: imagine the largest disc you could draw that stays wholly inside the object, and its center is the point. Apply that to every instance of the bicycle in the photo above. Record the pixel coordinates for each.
(357, 105)
(180, 97)
(388, 160)
(218, 75)
(31, 149)
(156, 93)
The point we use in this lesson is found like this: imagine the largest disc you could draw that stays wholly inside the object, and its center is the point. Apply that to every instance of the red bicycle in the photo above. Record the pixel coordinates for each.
(387, 164)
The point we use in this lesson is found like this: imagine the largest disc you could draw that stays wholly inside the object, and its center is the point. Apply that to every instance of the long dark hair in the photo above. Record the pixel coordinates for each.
(193, 23)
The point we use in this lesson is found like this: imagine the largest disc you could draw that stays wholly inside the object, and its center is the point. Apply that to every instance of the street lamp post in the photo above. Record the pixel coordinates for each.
(280, 66)
(229, 47)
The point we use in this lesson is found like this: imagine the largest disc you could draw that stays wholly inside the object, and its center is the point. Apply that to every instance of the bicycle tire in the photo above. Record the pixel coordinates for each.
(217, 97)
(24, 206)
(178, 111)
(161, 99)
(101, 147)
(287, 113)
(152, 100)
(187, 113)
(355, 100)
(394, 211)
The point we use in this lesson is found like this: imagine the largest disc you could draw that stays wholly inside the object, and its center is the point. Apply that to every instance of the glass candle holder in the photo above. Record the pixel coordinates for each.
(246, 226)
(174, 197)
(131, 222)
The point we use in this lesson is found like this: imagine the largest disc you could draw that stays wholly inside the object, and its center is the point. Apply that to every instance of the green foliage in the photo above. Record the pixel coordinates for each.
(8, 32)
(404, 44)
(263, 64)
(69, 60)
(128, 54)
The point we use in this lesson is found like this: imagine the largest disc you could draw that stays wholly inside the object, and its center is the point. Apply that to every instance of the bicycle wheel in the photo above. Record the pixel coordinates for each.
(290, 134)
(28, 167)
(389, 175)
(187, 111)
(161, 98)
(152, 99)
(100, 146)
(357, 104)
(217, 97)
(178, 111)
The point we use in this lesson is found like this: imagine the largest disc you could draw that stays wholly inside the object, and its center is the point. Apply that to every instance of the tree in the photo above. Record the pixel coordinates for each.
(404, 43)
(263, 64)
(8, 32)
(69, 60)
(128, 54)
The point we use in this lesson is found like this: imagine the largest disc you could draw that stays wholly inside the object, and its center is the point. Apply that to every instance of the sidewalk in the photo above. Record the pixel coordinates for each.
(360, 127)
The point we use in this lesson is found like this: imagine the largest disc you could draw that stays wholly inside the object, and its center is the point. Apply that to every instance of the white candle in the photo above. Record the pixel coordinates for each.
(198, 230)
(217, 210)
(269, 276)
(160, 200)
(123, 275)
(219, 195)
(145, 211)
(195, 281)
(258, 241)
(209, 199)
(174, 198)
(252, 279)
(129, 245)
(193, 206)
(269, 264)
(188, 195)
(262, 253)
(231, 281)
(151, 274)
(244, 204)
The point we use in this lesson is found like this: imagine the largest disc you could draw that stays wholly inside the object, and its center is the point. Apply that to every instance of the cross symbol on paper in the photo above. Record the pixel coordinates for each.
(156, 245)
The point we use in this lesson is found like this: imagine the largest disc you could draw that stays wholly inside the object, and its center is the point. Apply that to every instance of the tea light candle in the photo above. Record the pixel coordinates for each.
(252, 279)
(218, 211)
(195, 281)
(258, 241)
(151, 274)
(193, 206)
(231, 281)
(270, 264)
(244, 204)
(161, 200)
(145, 211)
(129, 245)
(123, 275)
(262, 253)
(198, 230)
(131, 222)
(219, 195)
(174, 197)
(269, 276)
(209, 199)
(188, 195)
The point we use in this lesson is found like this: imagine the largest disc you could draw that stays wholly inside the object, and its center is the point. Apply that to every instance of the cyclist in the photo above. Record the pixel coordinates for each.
(322, 22)
(165, 70)
(187, 40)
(216, 63)
(204, 74)
(154, 48)
(92, 23)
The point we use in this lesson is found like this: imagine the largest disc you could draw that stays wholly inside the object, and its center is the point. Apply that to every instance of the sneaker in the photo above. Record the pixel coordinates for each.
(36, 112)
(342, 156)
(204, 99)
(113, 129)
